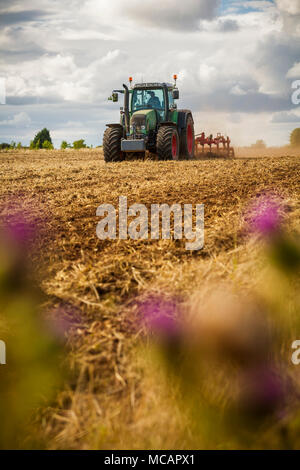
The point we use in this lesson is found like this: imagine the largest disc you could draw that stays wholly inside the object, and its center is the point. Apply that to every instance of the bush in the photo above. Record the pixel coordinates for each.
(48, 145)
(4, 146)
(40, 138)
(79, 144)
(19, 146)
(65, 145)
(295, 138)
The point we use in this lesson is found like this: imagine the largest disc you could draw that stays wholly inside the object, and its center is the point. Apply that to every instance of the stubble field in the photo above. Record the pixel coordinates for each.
(113, 400)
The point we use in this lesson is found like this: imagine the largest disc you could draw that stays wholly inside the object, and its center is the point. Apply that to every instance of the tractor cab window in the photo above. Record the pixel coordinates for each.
(148, 99)
(171, 99)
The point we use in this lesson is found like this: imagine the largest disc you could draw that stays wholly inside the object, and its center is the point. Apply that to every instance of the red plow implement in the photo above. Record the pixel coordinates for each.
(213, 146)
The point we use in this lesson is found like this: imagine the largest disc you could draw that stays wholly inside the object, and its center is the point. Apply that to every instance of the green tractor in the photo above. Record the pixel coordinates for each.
(150, 122)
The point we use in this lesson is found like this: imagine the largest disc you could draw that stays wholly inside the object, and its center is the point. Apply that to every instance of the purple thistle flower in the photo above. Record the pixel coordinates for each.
(265, 215)
(159, 315)
(263, 391)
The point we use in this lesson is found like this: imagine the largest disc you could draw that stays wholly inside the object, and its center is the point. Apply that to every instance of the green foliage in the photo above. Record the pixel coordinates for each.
(12, 145)
(4, 146)
(79, 144)
(64, 145)
(48, 145)
(41, 137)
(295, 138)
(31, 146)
(19, 146)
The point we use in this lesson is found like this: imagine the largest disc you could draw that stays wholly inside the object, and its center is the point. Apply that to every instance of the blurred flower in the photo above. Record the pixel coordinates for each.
(160, 315)
(263, 391)
(265, 215)
(34, 356)
(61, 319)
(229, 327)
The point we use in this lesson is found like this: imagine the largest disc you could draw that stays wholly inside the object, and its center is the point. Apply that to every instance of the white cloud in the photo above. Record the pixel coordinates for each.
(290, 14)
(292, 7)
(173, 14)
(78, 51)
(20, 119)
(294, 72)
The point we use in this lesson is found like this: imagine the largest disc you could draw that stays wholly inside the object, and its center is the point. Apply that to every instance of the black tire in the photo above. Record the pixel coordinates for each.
(167, 143)
(112, 144)
(187, 140)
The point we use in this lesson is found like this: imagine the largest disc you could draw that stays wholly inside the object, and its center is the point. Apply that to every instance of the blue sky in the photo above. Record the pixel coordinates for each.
(250, 6)
(236, 62)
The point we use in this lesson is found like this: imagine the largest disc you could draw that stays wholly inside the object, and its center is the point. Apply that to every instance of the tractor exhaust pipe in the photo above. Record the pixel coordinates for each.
(126, 108)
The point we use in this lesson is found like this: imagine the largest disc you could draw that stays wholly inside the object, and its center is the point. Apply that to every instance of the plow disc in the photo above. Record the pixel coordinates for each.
(214, 146)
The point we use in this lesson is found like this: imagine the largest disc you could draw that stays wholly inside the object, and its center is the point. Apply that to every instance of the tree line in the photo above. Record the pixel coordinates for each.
(43, 140)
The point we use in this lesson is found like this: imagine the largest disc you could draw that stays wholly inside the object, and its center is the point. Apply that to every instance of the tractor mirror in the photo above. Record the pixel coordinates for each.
(175, 94)
(115, 97)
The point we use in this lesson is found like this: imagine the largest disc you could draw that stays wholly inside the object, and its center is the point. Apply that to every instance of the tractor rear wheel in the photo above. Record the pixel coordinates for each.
(112, 144)
(167, 143)
(187, 140)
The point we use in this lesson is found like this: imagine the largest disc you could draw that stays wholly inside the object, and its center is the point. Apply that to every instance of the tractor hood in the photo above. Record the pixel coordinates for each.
(143, 120)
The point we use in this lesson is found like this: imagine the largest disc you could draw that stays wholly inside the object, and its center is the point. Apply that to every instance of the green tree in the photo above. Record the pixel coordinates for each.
(12, 145)
(48, 145)
(79, 144)
(4, 146)
(19, 146)
(65, 145)
(41, 137)
(295, 138)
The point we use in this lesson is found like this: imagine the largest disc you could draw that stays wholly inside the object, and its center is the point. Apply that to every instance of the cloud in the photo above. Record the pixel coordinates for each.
(228, 25)
(14, 17)
(292, 7)
(171, 14)
(286, 117)
(62, 60)
(290, 13)
(294, 72)
(20, 119)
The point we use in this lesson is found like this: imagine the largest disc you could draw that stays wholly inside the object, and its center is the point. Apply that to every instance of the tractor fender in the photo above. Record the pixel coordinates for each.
(183, 114)
(167, 123)
(114, 126)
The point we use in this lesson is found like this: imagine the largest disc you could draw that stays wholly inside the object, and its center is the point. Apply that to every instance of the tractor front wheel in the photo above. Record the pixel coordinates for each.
(167, 143)
(112, 144)
(187, 140)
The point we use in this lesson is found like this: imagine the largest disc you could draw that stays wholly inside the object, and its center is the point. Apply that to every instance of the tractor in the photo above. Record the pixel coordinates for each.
(150, 122)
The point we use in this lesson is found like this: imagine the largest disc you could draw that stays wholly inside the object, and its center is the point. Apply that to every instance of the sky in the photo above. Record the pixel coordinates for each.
(236, 62)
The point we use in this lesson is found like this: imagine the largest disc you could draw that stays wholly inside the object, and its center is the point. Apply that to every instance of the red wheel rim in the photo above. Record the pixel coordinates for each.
(190, 139)
(174, 146)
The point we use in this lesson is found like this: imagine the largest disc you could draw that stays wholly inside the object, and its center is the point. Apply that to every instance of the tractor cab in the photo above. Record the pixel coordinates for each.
(155, 96)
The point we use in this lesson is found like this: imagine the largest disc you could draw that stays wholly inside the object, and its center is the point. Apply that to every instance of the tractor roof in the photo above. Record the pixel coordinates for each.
(152, 85)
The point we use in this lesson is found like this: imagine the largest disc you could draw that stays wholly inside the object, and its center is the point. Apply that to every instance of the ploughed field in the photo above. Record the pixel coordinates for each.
(111, 401)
